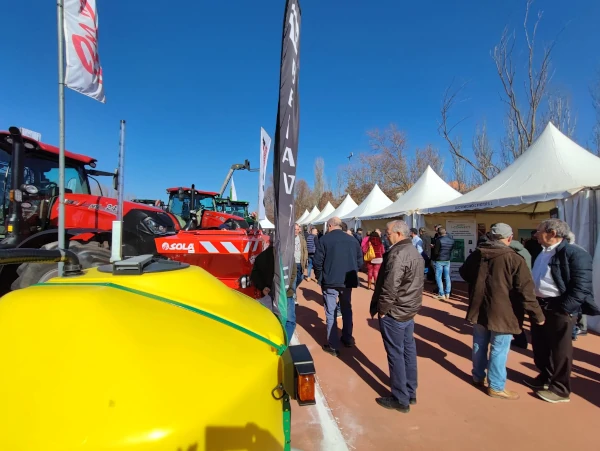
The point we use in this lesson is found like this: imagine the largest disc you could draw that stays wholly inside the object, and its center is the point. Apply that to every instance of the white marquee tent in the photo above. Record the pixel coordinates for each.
(327, 210)
(554, 167)
(345, 207)
(374, 202)
(554, 172)
(266, 224)
(312, 215)
(430, 190)
(303, 217)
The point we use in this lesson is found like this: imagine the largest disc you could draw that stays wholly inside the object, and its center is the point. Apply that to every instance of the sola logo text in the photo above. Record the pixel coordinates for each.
(179, 247)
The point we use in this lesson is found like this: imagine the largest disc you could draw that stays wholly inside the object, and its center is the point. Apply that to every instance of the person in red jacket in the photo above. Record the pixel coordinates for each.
(374, 265)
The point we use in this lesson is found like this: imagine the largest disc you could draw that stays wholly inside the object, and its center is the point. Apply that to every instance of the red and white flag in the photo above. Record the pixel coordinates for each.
(84, 73)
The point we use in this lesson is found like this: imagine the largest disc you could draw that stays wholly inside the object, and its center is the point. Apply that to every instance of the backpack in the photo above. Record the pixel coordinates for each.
(370, 254)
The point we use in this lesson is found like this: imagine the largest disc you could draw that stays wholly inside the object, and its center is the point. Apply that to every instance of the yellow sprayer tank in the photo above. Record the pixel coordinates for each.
(170, 360)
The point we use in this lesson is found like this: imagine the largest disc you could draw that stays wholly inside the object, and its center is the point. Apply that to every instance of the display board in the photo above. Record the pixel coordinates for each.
(464, 233)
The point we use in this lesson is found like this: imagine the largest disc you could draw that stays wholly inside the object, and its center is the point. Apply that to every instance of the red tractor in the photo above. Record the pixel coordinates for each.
(29, 219)
(221, 243)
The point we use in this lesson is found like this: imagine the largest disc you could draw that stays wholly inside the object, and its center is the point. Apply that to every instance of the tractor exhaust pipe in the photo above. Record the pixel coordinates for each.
(15, 220)
(18, 256)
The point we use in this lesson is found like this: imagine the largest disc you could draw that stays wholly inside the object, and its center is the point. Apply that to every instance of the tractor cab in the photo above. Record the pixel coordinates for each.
(196, 209)
(235, 207)
(39, 188)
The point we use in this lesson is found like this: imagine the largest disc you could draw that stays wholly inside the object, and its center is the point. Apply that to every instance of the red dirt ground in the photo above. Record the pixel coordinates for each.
(451, 414)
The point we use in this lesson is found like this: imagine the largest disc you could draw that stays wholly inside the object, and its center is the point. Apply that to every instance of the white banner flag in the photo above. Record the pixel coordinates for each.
(232, 191)
(265, 145)
(84, 73)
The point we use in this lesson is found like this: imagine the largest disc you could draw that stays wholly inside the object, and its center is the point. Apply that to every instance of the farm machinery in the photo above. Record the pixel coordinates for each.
(29, 215)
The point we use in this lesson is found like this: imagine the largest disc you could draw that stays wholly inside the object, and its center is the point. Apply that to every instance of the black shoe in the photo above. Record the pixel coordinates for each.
(536, 384)
(329, 350)
(581, 332)
(389, 402)
(412, 401)
(348, 344)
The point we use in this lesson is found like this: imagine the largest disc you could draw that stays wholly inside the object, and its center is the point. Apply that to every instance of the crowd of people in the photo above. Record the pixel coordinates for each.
(549, 280)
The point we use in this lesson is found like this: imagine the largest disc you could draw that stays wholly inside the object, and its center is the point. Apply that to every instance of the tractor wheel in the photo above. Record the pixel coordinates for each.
(90, 255)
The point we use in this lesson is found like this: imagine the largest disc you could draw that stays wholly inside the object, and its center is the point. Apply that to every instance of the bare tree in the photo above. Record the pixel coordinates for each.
(460, 161)
(303, 197)
(389, 165)
(484, 156)
(319, 180)
(327, 196)
(559, 113)
(522, 117)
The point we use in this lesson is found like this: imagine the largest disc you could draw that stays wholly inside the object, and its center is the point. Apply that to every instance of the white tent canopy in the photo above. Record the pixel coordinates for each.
(303, 217)
(345, 207)
(430, 190)
(324, 213)
(374, 202)
(266, 224)
(554, 167)
(312, 215)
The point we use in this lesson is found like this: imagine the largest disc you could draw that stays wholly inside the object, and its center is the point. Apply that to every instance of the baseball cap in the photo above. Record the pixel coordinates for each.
(500, 231)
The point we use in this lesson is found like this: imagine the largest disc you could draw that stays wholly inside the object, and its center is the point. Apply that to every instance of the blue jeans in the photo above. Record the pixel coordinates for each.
(442, 267)
(499, 345)
(299, 276)
(330, 298)
(310, 264)
(401, 352)
(290, 324)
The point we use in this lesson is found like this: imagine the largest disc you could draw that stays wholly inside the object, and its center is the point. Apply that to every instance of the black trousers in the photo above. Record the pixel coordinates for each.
(553, 350)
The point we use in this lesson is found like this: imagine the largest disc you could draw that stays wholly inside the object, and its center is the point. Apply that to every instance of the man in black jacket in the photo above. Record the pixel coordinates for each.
(397, 299)
(441, 254)
(262, 276)
(562, 274)
(336, 263)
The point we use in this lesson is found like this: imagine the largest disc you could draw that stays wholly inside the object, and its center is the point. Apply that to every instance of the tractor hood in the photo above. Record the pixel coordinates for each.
(98, 212)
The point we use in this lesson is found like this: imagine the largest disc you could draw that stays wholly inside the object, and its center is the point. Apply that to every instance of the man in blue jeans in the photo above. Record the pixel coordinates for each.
(396, 300)
(501, 290)
(336, 263)
(441, 254)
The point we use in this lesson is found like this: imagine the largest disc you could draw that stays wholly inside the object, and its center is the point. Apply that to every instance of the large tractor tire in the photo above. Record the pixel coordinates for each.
(90, 255)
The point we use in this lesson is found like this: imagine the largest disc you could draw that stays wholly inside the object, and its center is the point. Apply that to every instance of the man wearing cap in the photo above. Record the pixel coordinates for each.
(501, 290)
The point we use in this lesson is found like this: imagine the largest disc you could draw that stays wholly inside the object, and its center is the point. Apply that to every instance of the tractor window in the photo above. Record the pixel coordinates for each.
(42, 172)
(206, 202)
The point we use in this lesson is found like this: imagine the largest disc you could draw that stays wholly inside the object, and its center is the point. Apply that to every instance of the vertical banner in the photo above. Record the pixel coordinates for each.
(286, 154)
(232, 191)
(464, 233)
(265, 145)
(84, 73)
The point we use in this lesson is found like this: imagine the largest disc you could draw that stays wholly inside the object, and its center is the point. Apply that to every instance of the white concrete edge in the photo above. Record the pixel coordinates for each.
(333, 440)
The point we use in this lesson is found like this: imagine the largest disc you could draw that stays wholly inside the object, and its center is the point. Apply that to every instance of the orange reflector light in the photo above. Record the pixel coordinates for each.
(11, 195)
(306, 389)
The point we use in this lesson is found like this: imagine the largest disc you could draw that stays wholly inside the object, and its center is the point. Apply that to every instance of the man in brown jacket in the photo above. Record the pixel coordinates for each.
(396, 300)
(501, 290)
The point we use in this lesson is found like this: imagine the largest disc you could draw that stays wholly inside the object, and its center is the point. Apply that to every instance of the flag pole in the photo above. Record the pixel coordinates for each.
(61, 130)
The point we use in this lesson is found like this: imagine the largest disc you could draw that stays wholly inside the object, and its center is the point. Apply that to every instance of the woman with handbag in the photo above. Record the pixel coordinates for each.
(373, 252)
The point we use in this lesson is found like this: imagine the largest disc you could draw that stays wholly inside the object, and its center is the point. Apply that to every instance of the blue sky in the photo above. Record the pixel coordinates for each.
(196, 81)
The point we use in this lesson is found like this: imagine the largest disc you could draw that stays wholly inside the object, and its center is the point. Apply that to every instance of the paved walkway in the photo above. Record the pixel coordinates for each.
(451, 414)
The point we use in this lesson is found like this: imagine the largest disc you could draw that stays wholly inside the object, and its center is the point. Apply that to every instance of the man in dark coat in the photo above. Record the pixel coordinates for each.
(336, 263)
(500, 292)
(262, 276)
(441, 255)
(396, 300)
(562, 274)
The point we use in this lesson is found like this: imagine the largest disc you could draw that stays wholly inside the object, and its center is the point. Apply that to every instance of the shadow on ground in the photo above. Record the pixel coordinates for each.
(354, 358)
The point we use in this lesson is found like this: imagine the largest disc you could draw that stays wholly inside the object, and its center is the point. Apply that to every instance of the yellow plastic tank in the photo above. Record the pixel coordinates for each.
(161, 361)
